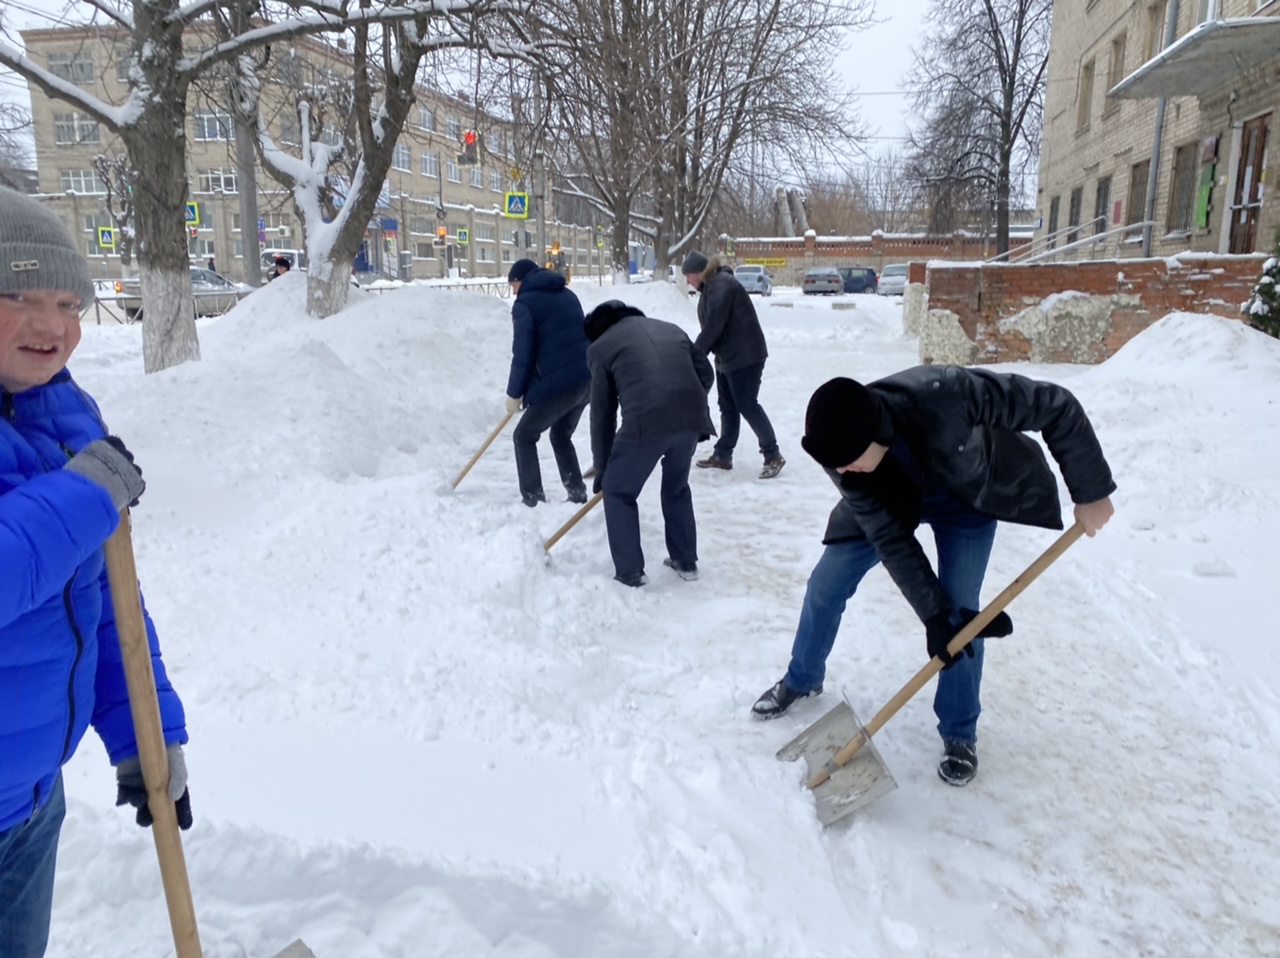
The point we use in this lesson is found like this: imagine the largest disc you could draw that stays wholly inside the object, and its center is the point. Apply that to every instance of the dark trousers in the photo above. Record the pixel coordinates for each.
(738, 394)
(629, 467)
(559, 413)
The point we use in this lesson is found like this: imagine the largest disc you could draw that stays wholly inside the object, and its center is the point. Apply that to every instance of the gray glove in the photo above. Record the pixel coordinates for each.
(132, 790)
(108, 463)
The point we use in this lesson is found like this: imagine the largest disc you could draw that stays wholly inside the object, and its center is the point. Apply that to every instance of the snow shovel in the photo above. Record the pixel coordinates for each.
(135, 652)
(480, 452)
(829, 746)
(573, 521)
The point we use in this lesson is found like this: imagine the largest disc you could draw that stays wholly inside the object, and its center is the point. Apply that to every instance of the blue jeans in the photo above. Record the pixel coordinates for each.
(738, 394)
(964, 541)
(28, 853)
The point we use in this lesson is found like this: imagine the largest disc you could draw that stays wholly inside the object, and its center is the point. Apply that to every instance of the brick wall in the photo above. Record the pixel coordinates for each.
(1071, 312)
(803, 252)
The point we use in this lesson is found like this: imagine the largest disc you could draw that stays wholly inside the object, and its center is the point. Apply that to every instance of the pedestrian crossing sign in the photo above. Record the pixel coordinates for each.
(193, 213)
(462, 237)
(517, 206)
(106, 237)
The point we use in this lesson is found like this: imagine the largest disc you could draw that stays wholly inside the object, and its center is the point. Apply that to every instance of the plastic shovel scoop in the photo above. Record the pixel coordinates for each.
(845, 770)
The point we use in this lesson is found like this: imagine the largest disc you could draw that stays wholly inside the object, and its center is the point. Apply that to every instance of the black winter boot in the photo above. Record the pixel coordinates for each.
(959, 763)
(685, 570)
(778, 699)
(634, 580)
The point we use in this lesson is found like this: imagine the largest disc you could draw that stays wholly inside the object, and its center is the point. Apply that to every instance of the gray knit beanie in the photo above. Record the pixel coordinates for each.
(36, 251)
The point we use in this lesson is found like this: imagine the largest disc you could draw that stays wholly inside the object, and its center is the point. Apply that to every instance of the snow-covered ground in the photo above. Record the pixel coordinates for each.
(413, 736)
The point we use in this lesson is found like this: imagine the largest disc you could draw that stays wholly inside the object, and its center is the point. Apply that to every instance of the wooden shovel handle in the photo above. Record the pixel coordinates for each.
(934, 665)
(480, 452)
(135, 651)
(573, 521)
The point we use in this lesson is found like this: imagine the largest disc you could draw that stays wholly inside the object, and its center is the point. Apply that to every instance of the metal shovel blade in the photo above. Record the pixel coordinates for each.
(296, 950)
(866, 777)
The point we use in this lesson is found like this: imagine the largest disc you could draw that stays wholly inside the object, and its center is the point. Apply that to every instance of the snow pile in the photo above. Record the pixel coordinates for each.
(412, 735)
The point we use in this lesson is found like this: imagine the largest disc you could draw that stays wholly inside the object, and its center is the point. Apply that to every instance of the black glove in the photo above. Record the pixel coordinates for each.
(132, 790)
(939, 632)
(108, 463)
(597, 484)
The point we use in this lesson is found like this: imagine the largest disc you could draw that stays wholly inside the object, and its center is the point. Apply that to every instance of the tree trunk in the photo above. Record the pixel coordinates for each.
(329, 281)
(168, 316)
(1002, 202)
(621, 251)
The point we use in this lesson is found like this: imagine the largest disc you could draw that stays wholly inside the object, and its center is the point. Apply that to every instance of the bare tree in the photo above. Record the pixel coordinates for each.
(656, 101)
(889, 196)
(15, 126)
(119, 178)
(979, 82)
(172, 43)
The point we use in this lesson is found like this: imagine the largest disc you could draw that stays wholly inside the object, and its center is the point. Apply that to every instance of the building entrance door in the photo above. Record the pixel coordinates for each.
(1247, 202)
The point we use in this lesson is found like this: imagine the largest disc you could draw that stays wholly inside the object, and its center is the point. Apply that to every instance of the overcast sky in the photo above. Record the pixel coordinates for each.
(874, 63)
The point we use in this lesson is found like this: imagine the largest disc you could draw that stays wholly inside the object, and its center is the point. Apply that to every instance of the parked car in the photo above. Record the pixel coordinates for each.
(754, 279)
(893, 280)
(297, 260)
(214, 294)
(858, 279)
(822, 279)
(673, 276)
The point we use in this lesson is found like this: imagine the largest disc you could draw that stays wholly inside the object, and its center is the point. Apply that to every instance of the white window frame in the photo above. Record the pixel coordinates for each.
(86, 182)
(217, 181)
(429, 165)
(451, 169)
(477, 178)
(70, 129)
(402, 158)
(221, 124)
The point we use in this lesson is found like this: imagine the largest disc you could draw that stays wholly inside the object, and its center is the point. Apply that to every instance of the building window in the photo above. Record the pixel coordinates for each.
(92, 221)
(72, 128)
(1055, 207)
(430, 165)
(72, 67)
(331, 137)
(274, 222)
(401, 158)
(1139, 173)
(1084, 111)
(1115, 69)
(124, 60)
(200, 248)
(1073, 214)
(424, 251)
(486, 234)
(484, 254)
(427, 118)
(1182, 193)
(1155, 28)
(451, 170)
(495, 181)
(1101, 200)
(81, 181)
(506, 255)
(419, 224)
(213, 125)
(453, 128)
(477, 177)
(498, 142)
(1206, 10)
(214, 181)
(290, 129)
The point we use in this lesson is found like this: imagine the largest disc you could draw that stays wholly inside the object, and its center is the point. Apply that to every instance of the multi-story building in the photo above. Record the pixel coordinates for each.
(1152, 148)
(425, 174)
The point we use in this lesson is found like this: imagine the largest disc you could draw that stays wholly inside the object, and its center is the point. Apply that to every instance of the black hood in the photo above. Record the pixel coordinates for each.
(605, 315)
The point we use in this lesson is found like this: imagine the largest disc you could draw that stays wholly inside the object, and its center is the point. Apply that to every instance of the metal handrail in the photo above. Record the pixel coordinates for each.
(1041, 250)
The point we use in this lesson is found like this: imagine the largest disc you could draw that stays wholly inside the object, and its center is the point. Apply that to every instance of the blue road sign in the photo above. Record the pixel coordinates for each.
(517, 206)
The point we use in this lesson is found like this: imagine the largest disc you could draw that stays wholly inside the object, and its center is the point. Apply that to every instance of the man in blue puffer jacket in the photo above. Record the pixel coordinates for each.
(63, 484)
(549, 376)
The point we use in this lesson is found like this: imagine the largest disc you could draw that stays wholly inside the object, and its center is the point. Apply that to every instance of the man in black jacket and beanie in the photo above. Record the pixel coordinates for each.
(944, 446)
(731, 332)
(660, 379)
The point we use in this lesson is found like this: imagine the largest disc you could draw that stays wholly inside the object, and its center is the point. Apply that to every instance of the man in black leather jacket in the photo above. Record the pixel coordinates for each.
(944, 446)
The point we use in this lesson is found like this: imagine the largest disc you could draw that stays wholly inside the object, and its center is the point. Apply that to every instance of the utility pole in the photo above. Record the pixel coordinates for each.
(1153, 173)
(539, 172)
(246, 182)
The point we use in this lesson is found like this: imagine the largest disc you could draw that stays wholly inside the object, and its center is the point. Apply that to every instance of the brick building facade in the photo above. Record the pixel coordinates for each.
(1109, 65)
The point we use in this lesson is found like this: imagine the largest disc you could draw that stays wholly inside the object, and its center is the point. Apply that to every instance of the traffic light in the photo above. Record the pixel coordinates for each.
(442, 232)
(470, 155)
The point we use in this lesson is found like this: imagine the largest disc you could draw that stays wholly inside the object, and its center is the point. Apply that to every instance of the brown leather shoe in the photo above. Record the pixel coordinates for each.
(772, 467)
(713, 462)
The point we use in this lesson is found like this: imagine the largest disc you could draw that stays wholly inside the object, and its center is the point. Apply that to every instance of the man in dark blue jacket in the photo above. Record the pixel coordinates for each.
(549, 376)
(941, 446)
(63, 484)
(660, 380)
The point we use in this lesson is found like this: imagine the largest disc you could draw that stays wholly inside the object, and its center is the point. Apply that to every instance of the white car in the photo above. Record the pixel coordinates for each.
(893, 280)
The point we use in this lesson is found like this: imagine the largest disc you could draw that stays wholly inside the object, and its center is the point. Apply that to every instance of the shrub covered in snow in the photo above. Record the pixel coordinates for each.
(1262, 311)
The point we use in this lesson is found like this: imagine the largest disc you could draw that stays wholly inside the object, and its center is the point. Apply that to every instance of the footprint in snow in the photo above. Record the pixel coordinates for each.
(1213, 569)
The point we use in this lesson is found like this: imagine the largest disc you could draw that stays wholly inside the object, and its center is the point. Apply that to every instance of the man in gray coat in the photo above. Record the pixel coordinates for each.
(660, 379)
(731, 332)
